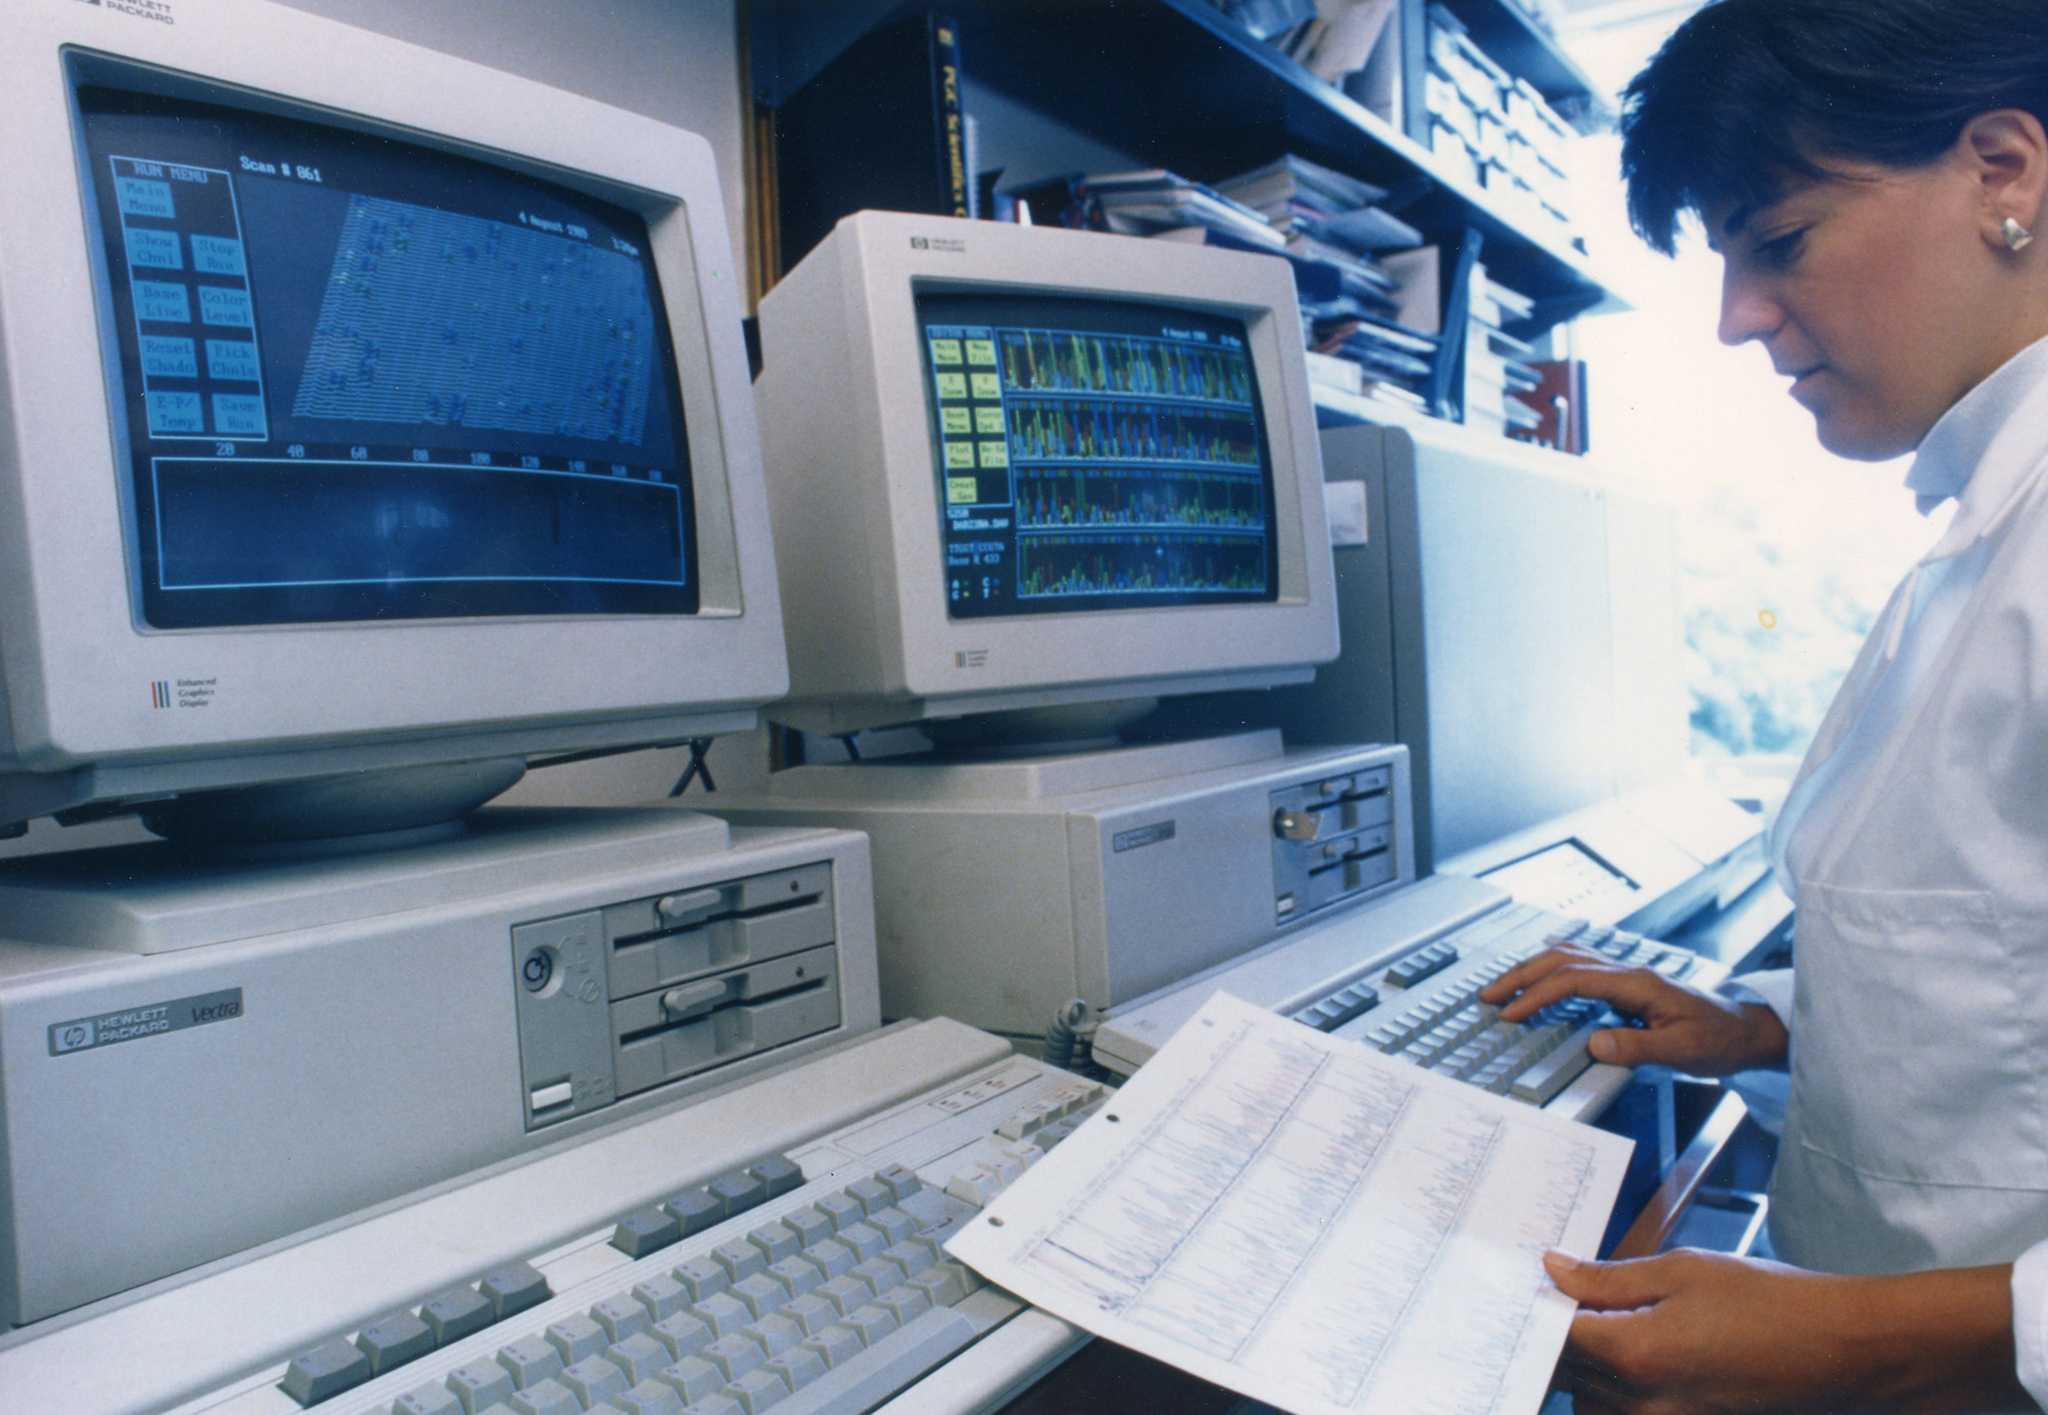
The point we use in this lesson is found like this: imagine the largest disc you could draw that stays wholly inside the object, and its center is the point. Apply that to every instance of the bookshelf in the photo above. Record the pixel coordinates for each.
(1177, 84)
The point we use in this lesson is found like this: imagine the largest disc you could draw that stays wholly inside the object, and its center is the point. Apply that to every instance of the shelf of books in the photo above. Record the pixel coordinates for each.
(1414, 181)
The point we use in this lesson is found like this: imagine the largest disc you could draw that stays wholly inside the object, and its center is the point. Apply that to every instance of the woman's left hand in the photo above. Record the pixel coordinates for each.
(1689, 1331)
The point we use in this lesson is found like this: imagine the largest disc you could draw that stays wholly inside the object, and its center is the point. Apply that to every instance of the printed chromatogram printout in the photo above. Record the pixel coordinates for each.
(1310, 1223)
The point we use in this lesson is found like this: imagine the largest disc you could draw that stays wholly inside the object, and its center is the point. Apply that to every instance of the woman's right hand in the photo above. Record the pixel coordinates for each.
(1680, 1027)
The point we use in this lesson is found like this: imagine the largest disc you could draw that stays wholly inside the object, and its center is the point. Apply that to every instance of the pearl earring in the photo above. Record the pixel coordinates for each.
(2017, 237)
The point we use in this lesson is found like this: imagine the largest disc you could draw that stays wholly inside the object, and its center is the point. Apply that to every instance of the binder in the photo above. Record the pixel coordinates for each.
(881, 127)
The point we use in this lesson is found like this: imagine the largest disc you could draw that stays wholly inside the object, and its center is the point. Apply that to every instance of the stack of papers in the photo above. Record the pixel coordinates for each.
(1301, 197)
(1141, 203)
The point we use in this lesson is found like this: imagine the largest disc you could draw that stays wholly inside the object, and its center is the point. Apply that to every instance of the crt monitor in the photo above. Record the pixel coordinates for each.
(1022, 470)
(367, 415)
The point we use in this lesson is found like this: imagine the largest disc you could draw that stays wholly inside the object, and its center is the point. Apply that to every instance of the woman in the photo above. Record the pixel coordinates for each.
(1871, 172)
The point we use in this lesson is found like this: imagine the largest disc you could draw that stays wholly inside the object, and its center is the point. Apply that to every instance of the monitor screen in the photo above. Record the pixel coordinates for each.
(1096, 454)
(369, 413)
(363, 380)
(1021, 472)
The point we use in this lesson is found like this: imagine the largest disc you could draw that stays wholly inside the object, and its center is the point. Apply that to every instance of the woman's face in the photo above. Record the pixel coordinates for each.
(1876, 292)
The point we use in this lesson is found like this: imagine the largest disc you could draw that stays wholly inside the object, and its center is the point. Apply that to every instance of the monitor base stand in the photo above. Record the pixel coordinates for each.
(352, 811)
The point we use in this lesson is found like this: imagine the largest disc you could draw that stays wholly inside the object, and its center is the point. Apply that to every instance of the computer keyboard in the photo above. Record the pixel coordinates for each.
(1404, 975)
(754, 1291)
(810, 1280)
(1449, 1030)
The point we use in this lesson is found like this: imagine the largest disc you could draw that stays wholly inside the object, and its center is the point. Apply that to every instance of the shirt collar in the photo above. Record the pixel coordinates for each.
(1951, 453)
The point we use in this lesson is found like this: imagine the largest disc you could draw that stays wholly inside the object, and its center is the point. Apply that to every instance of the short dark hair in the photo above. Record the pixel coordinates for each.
(1750, 93)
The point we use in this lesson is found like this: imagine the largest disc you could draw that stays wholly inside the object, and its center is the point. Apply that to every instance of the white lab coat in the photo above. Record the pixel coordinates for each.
(1917, 1130)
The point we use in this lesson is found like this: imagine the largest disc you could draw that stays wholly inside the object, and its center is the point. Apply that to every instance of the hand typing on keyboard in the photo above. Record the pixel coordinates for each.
(1680, 1026)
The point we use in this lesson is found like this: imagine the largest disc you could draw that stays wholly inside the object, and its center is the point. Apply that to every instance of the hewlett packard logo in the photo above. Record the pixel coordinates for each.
(158, 10)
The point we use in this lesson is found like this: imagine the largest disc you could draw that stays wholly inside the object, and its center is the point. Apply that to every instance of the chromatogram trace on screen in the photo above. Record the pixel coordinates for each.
(431, 317)
(1131, 432)
(1143, 498)
(1059, 361)
(1119, 563)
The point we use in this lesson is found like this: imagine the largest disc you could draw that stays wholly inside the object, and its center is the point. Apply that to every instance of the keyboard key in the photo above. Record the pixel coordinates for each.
(846, 1293)
(394, 1340)
(913, 1256)
(577, 1338)
(879, 1274)
(1024, 1122)
(738, 1191)
(798, 1366)
(693, 1210)
(797, 1275)
(864, 1239)
(832, 1258)
(776, 1241)
(1551, 1073)
(810, 1224)
(894, 1224)
(430, 1399)
(840, 1209)
(594, 1379)
(776, 1334)
(870, 1194)
(662, 1296)
(649, 1398)
(692, 1379)
(904, 1302)
(978, 1186)
(684, 1334)
(723, 1313)
(718, 1404)
(902, 1181)
(548, 1397)
(944, 1288)
(739, 1258)
(836, 1344)
(530, 1360)
(454, 1314)
(872, 1322)
(512, 1289)
(701, 1277)
(761, 1294)
(480, 1383)
(811, 1312)
(639, 1356)
(735, 1355)
(778, 1173)
(646, 1231)
(620, 1316)
(758, 1391)
(328, 1369)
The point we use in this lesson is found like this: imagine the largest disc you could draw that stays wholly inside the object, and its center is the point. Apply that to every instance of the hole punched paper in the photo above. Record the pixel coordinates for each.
(1305, 1221)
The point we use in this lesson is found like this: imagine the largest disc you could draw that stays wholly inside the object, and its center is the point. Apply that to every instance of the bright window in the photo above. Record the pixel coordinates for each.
(1788, 552)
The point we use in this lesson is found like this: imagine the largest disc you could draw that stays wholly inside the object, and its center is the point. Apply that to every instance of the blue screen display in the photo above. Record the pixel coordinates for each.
(364, 380)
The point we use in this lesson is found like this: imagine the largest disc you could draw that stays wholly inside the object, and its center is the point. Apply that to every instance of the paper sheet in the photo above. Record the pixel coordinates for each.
(1310, 1223)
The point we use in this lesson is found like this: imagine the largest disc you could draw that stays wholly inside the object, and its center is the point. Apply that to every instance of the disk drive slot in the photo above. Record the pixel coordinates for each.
(673, 1032)
(661, 913)
(1332, 838)
(639, 965)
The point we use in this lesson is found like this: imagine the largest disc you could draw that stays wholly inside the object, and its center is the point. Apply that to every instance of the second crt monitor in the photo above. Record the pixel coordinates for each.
(1014, 468)
(1024, 483)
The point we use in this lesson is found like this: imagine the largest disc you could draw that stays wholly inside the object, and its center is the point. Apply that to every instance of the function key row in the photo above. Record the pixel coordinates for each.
(690, 1211)
(339, 1364)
